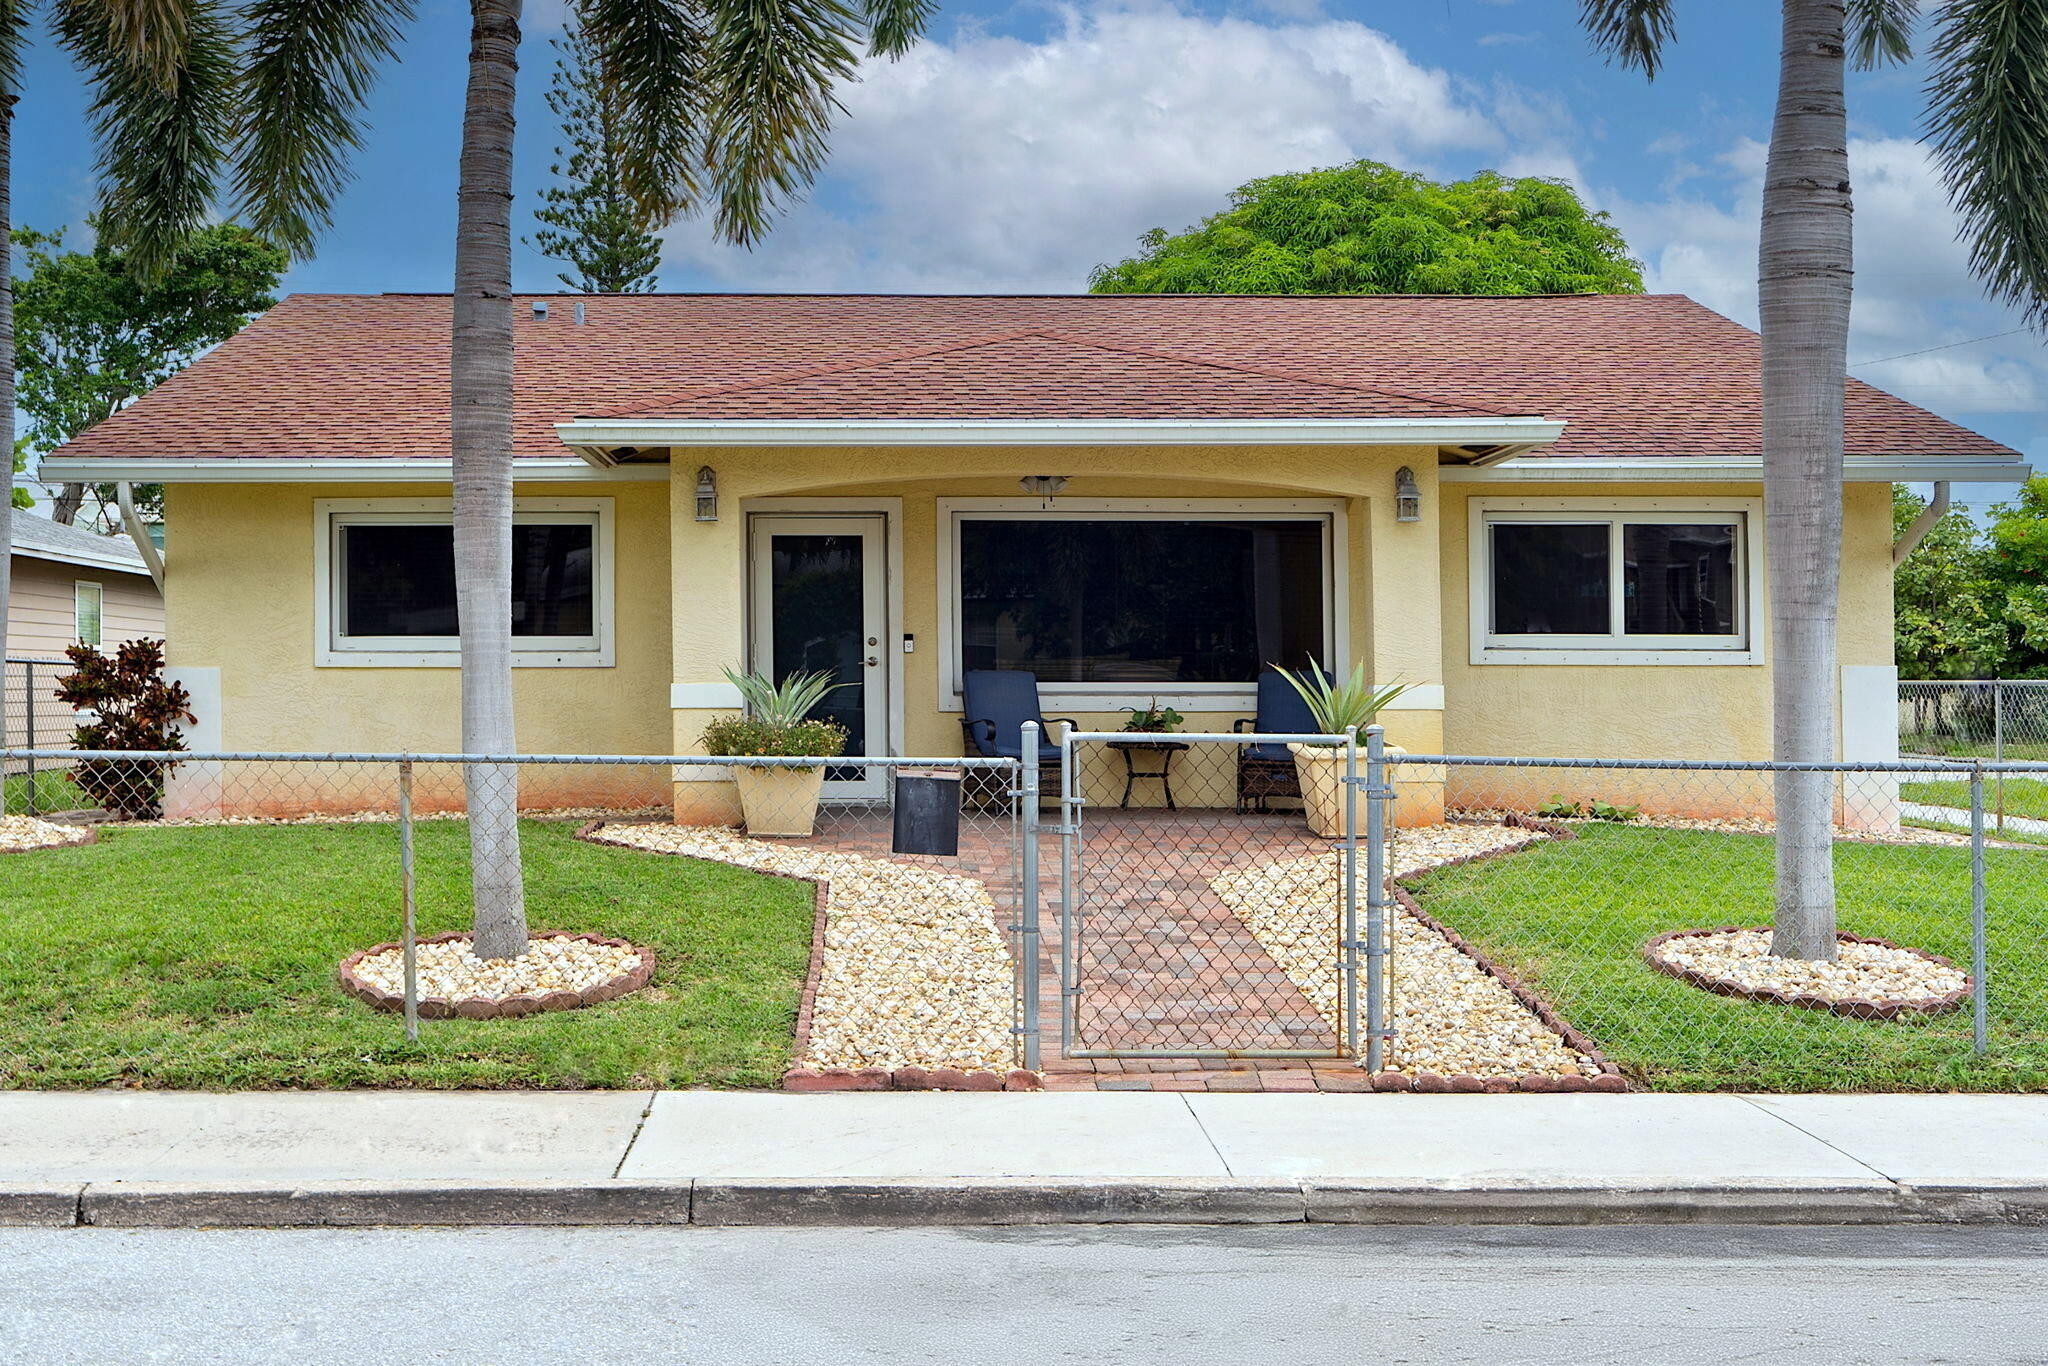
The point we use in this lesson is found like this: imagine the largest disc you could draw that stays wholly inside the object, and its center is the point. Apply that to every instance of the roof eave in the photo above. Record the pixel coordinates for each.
(2009, 468)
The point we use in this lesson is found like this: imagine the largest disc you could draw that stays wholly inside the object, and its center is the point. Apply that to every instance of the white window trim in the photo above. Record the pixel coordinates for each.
(1225, 698)
(1744, 648)
(408, 653)
(81, 589)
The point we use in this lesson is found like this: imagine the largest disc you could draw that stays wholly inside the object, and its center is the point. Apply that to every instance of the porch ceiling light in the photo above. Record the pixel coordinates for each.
(1043, 485)
(707, 494)
(1407, 497)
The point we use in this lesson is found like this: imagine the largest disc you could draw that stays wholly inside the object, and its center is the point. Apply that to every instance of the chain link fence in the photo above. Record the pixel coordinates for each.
(36, 720)
(1999, 720)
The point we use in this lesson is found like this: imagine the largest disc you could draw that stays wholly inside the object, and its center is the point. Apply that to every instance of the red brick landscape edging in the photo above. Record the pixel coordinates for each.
(1610, 1078)
(484, 1008)
(845, 1078)
(1855, 1008)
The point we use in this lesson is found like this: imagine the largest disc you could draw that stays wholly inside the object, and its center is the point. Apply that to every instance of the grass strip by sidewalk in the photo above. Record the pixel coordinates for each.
(1571, 918)
(205, 957)
(2024, 797)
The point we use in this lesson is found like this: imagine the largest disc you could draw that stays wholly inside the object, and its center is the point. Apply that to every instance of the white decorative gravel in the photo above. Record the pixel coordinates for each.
(1863, 972)
(915, 971)
(1450, 1017)
(27, 832)
(452, 970)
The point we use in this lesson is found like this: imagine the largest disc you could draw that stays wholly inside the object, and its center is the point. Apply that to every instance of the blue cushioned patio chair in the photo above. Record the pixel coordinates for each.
(995, 704)
(1267, 770)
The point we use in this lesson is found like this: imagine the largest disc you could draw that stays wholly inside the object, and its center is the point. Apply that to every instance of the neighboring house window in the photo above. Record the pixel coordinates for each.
(87, 601)
(388, 583)
(1189, 602)
(1612, 583)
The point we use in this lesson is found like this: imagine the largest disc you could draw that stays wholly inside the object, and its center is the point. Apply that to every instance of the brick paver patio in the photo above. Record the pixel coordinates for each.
(1162, 962)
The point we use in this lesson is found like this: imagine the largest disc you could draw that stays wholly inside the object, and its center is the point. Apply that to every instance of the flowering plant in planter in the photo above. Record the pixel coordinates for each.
(778, 799)
(1353, 704)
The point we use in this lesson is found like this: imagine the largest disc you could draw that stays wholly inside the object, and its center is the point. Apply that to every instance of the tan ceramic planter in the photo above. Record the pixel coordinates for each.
(1320, 769)
(780, 800)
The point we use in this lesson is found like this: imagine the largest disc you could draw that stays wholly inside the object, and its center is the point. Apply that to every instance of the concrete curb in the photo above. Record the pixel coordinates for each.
(990, 1202)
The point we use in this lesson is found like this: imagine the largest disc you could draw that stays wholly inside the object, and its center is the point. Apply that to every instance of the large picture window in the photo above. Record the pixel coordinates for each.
(1133, 602)
(1590, 584)
(389, 589)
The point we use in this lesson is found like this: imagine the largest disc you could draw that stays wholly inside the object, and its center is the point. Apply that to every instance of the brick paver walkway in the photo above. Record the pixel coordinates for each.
(1161, 961)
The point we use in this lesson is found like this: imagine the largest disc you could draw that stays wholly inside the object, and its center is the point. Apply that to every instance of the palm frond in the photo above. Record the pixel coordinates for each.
(1988, 124)
(772, 69)
(1632, 32)
(893, 25)
(14, 40)
(310, 65)
(162, 142)
(652, 54)
(1881, 32)
(148, 35)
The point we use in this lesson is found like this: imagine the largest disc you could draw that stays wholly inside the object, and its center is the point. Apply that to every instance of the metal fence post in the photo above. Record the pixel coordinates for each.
(1347, 939)
(1070, 832)
(28, 718)
(1375, 897)
(1979, 1003)
(1998, 745)
(405, 895)
(1027, 930)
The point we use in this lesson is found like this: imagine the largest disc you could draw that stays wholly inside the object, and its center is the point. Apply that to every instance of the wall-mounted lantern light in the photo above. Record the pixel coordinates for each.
(1407, 497)
(1043, 486)
(707, 495)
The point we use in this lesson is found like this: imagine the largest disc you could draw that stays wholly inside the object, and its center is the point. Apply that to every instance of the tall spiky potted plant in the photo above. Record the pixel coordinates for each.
(1337, 708)
(778, 799)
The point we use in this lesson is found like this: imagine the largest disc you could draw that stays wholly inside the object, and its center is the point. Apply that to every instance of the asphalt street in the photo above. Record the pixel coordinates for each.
(992, 1297)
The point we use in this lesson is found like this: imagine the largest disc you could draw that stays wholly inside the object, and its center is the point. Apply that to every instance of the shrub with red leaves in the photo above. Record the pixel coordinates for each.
(132, 707)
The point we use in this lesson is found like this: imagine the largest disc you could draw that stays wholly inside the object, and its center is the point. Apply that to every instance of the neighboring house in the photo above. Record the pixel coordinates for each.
(70, 584)
(1543, 513)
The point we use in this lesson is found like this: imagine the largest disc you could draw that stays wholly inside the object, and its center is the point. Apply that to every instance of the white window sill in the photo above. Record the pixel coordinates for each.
(1657, 658)
(450, 659)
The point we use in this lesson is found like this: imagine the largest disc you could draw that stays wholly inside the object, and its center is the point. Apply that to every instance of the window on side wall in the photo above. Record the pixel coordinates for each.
(1591, 583)
(88, 601)
(1187, 604)
(388, 584)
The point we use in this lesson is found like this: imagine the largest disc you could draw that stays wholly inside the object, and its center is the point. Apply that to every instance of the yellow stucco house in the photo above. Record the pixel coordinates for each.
(1544, 514)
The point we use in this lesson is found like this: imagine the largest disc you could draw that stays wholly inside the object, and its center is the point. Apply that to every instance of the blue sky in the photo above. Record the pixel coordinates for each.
(1026, 142)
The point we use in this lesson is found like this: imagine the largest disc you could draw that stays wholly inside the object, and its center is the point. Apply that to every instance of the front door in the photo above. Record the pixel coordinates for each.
(820, 605)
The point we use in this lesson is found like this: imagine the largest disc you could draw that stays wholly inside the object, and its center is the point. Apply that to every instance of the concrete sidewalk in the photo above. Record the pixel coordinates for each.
(167, 1158)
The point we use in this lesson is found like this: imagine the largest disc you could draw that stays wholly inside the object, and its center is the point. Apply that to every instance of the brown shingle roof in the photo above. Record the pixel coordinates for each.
(366, 375)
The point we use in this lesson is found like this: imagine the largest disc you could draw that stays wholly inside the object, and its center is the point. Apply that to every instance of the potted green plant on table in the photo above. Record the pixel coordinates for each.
(1153, 719)
(778, 799)
(1353, 704)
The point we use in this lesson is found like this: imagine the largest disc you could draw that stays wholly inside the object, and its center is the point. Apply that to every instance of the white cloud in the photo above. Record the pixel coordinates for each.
(990, 163)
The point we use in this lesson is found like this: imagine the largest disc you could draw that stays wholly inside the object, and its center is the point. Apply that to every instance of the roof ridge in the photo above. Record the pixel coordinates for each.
(818, 372)
(1269, 373)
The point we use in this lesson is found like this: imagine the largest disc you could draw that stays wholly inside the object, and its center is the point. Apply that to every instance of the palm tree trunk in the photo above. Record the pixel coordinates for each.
(1804, 276)
(480, 379)
(6, 407)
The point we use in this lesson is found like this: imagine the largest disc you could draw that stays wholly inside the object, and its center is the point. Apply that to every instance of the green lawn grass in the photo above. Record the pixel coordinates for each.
(1571, 918)
(206, 956)
(53, 791)
(2027, 797)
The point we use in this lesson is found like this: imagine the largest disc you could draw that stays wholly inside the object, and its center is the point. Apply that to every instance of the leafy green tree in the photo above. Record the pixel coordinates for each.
(2017, 561)
(17, 496)
(592, 224)
(1368, 228)
(91, 334)
(1948, 614)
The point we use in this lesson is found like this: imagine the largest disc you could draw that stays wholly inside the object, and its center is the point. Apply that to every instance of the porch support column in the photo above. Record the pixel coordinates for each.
(707, 590)
(1397, 618)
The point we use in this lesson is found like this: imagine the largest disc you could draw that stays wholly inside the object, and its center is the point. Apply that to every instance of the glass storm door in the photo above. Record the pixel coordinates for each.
(819, 606)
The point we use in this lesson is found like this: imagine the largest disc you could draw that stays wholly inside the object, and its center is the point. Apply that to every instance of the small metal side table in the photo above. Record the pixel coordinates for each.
(1131, 749)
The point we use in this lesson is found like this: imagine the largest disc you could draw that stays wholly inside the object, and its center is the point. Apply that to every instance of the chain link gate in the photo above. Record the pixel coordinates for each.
(1200, 914)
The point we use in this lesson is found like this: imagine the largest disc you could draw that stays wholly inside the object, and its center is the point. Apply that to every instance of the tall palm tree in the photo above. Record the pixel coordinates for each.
(727, 104)
(1988, 122)
(162, 76)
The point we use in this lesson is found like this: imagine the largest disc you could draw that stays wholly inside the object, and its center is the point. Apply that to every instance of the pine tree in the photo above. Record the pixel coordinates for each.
(590, 221)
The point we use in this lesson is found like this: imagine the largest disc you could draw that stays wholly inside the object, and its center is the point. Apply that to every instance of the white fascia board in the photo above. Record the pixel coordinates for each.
(1860, 469)
(337, 470)
(85, 558)
(587, 433)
